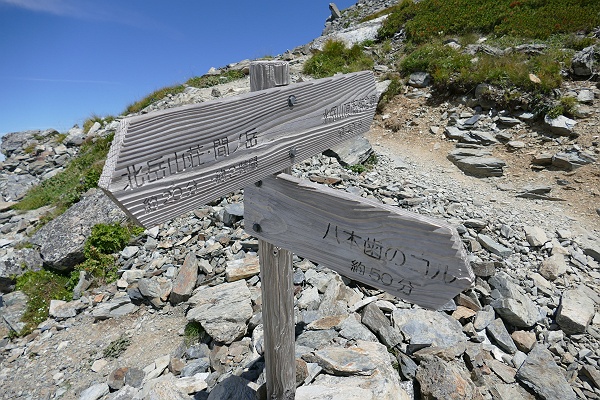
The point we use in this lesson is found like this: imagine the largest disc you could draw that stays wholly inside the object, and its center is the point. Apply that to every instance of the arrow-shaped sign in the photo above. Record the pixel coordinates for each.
(164, 164)
(411, 256)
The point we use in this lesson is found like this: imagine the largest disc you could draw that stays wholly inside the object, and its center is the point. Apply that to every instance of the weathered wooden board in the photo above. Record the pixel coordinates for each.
(164, 164)
(411, 256)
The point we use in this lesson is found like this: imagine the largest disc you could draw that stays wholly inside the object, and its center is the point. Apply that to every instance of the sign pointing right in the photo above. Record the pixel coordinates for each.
(411, 256)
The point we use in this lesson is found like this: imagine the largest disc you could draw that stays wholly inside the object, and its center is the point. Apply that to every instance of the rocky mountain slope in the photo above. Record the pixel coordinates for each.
(184, 318)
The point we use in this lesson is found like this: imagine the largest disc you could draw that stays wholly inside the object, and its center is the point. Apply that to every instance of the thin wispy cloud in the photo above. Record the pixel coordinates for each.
(93, 10)
(63, 8)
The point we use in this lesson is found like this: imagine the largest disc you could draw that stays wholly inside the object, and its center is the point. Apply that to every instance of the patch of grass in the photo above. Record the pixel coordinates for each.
(193, 333)
(41, 287)
(103, 242)
(366, 166)
(153, 97)
(116, 347)
(66, 188)
(336, 57)
(206, 81)
(30, 148)
(452, 69)
(537, 19)
(566, 106)
(60, 138)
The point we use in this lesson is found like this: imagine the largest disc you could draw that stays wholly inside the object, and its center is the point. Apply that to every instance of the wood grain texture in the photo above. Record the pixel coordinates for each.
(164, 164)
(414, 257)
(277, 285)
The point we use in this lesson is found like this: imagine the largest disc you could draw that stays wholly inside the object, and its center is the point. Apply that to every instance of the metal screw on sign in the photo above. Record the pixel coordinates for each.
(291, 101)
(293, 152)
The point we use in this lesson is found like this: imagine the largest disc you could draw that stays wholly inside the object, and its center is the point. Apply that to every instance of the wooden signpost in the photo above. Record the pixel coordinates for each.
(411, 256)
(164, 164)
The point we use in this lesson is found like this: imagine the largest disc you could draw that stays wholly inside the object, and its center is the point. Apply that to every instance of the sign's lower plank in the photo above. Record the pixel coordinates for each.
(170, 162)
(411, 256)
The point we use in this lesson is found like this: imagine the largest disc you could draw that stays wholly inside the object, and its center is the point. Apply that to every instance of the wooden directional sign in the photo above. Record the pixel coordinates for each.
(414, 257)
(164, 164)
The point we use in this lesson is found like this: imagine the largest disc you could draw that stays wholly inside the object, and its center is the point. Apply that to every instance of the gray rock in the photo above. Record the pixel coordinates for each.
(94, 392)
(572, 160)
(560, 125)
(497, 331)
(351, 152)
(16, 186)
(585, 96)
(479, 137)
(16, 263)
(440, 379)
(12, 308)
(543, 376)
(129, 252)
(15, 141)
(553, 267)
(380, 383)
(536, 236)
(352, 329)
(196, 366)
(61, 240)
(590, 245)
(116, 307)
(186, 280)
(149, 288)
(452, 132)
(493, 247)
(374, 318)
(582, 62)
(478, 166)
(60, 309)
(316, 339)
(232, 213)
(84, 282)
(125, 393)
(425, 328)
(419, 79)
(513, 305)
(309, 300)
(483, 318)
(233, 388)
(345, 361)
(575, 312)
(223, 310)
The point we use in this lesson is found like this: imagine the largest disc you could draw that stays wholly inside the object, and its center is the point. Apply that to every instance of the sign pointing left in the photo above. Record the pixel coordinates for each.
(164, 164)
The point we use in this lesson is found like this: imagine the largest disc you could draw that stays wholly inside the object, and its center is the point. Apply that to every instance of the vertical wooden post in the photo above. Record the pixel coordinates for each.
(276, 277)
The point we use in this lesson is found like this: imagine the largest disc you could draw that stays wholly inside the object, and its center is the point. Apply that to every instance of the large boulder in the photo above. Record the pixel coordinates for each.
(12, 142)
(582, 62)
(61, 241)
(14, 264)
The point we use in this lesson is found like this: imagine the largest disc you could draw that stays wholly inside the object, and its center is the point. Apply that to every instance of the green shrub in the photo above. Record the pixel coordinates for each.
(41, 287)
(65, 188)
(206, 81)
(442, 62)
(336, 57)
(153, 97)
(104, 240)
(537, 19)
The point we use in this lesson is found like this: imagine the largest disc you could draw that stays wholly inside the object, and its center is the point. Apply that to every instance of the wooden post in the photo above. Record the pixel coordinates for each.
(276, 276)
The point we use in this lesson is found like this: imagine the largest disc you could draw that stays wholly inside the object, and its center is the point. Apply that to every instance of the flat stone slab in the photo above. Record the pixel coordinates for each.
(544, 377)
(223, 310)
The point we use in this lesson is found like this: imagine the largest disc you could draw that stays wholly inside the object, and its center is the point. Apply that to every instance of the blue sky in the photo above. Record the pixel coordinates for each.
(64, 60)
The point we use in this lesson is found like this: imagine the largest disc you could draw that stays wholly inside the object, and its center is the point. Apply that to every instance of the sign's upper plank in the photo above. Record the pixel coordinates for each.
(411, 256)
(164, 164)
